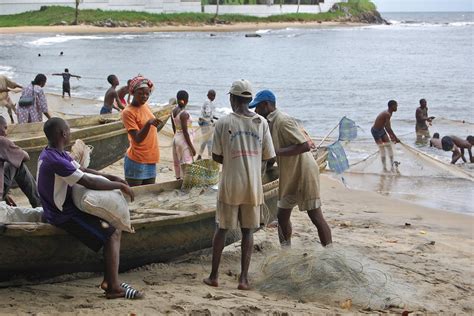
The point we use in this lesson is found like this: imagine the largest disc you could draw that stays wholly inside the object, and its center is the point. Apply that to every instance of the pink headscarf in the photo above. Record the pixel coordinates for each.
(139, 82)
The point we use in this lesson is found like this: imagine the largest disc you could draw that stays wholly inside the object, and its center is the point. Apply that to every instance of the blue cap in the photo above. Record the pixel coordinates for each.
(264, 95)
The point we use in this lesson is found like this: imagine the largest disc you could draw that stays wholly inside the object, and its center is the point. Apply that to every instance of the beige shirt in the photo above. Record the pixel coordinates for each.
(243, 142)
(9, 152)
(4, 84)
(299, 175)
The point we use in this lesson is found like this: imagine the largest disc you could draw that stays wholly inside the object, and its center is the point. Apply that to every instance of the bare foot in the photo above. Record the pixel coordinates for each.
(244, 286)
(104, 286)
(273, 224)
(211, 282)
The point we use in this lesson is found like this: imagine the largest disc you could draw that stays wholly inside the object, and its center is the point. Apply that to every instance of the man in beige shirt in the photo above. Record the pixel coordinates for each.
(241, 141)
(299, 172)
(5, 86)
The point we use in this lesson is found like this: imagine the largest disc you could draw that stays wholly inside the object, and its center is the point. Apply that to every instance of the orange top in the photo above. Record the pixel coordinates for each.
(134, 118)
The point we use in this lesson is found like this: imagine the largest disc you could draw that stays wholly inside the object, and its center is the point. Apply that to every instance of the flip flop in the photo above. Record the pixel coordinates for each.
(122, 285)
(130, 294)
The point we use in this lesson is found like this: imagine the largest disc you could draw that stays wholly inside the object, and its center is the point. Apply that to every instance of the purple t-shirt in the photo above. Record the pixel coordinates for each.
(57, 172)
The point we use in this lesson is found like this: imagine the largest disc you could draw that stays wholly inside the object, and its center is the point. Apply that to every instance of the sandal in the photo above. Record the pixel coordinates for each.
(122, 285)
(129, 294)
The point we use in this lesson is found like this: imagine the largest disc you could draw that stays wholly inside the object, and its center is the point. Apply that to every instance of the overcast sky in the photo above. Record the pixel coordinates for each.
(424, 5)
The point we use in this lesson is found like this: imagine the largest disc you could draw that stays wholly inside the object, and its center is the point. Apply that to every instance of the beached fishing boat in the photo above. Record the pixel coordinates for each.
(39, 249)
(105, 133)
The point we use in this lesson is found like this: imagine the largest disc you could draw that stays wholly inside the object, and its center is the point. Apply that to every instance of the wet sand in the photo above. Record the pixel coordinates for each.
(433, 255)
(238, 27)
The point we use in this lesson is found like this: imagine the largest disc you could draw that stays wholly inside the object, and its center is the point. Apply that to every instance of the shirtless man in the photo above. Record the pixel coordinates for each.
(421, 127)
(455, 144)
(380, 129)
(435, 141)
(111, 96)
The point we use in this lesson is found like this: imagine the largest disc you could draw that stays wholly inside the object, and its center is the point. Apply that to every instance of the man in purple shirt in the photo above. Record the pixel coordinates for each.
(57, 172)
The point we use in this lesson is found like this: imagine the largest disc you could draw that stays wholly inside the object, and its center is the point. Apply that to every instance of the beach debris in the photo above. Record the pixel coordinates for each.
(212, 34)
(407, 224)
(178, 308)
(253, 35)
(165, 169)
(347, 304)
(346, 224)
(428, 246)
(422, 232)
(190, 275)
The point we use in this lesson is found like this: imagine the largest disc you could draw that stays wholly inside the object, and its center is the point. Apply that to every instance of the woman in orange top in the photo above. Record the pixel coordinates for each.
(143, 153)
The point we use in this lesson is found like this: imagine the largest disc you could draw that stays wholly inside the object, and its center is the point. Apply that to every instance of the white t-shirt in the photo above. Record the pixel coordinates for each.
(243, 142)
(207, 111)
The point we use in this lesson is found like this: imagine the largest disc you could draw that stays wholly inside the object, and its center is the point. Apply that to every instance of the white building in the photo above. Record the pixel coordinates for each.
(163, 6)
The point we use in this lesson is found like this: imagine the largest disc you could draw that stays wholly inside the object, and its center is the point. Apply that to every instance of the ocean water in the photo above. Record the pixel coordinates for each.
(319, 75)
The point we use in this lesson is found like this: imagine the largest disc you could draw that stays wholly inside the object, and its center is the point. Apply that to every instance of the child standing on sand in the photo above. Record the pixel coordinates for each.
(183, 148)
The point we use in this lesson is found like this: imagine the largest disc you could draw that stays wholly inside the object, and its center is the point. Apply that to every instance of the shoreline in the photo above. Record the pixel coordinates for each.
(237, 27)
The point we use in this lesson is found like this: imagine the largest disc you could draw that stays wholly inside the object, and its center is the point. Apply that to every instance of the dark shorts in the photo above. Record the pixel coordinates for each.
(378, 133)
(66, 87)
(105, 110)
(88, 229)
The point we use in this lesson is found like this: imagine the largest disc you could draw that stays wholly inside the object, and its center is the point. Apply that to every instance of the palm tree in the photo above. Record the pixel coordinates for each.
(217, 10)
(76, 14)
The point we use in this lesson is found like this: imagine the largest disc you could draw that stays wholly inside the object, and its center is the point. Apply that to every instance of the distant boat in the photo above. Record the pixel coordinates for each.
(42, 250)
(105, 133)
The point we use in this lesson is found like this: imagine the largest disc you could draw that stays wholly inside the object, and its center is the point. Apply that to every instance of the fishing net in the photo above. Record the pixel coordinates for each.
(332, 276)
(172, 202)
(201, 173)
(411, 162)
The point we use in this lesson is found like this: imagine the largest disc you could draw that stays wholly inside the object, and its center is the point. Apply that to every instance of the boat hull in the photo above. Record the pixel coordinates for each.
(34, 250)
(109, 139)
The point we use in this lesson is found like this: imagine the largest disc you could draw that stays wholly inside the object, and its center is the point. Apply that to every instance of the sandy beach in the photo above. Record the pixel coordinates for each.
(426, 250)
(425, 254)
(239, 27)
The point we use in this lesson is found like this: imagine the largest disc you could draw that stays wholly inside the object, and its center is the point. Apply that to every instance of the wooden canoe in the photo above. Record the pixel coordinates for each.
(105, 133)
(39, 250)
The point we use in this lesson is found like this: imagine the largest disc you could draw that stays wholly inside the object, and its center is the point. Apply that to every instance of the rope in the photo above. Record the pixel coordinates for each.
(194, 84)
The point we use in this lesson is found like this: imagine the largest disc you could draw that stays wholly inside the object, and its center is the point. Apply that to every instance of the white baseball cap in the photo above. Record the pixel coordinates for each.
(242, 88)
